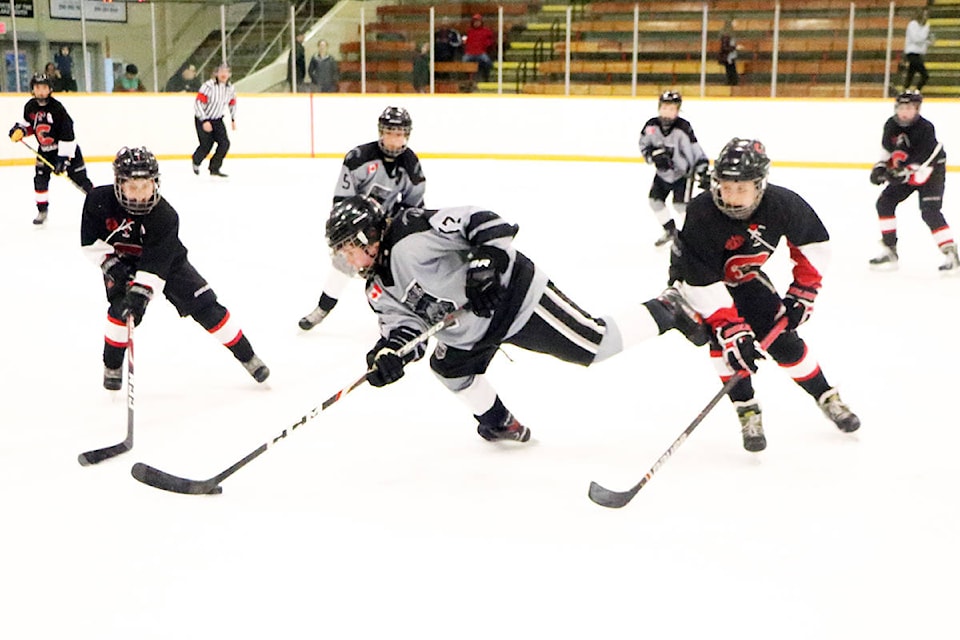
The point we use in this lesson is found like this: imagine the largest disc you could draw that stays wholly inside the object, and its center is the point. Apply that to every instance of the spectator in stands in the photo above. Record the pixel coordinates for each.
(917, 40)
(53, 75)
(478, 44)
(298, 60)
(64, 62)
(324, 70)
(129, 82)
(448, 43)
(728, 53)
(421, 69)
(185, 79)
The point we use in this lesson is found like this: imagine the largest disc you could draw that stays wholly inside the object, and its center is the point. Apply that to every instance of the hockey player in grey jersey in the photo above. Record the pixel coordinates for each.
(386, 169)
(423, 264)
(668, 142)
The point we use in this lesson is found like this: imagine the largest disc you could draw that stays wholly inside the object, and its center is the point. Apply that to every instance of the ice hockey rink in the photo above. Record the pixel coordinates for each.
(388, 517)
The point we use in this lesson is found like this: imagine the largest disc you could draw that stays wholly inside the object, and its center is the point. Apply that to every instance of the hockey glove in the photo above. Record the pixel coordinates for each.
(61, 165)
(17, 132)
(135, 302)
(797, 305)
(879, 173)
(116, 275)
(483, 288)
(384, 363)
(702, 175)
(661, 158)
(387, 367)
(739, 346)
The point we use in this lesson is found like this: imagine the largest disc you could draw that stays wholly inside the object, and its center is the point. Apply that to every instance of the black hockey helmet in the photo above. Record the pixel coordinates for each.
(670, 97)
(132, 164)
(394, 119)
(40, 78)
(910, 96)
(358, 221)
(740, 160)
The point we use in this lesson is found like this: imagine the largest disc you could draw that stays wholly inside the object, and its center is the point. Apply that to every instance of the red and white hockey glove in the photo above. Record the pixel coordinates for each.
(797, 305)
(739, 345)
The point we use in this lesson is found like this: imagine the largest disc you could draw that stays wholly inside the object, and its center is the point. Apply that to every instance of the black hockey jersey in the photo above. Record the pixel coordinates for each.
(908, 148)
(398, 182)
(149, 242)
(51, 124)
(715, 251)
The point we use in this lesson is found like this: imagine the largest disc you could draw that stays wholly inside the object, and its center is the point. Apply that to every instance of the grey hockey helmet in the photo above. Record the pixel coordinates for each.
(394, 119)
(740, 160)
(134, 164)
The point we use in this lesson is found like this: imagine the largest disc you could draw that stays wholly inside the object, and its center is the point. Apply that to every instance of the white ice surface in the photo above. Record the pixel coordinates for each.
(388, 517)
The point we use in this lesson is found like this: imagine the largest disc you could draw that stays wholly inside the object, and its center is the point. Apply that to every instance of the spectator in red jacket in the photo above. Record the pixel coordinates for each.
(478, 43)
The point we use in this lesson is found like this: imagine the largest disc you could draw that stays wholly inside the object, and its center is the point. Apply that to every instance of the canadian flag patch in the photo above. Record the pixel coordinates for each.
(375, 291)
(372, 167)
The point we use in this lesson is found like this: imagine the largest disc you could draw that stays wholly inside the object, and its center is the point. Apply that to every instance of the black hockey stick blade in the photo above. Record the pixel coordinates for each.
(613, 499)
(168, 482)
(99, 455)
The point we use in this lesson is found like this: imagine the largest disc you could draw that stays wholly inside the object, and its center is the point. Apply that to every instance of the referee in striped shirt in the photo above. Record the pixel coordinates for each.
(214, 96)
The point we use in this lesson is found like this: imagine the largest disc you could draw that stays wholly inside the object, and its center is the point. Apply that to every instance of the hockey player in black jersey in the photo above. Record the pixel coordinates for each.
(386, 169)
(132, 233)
(423, 264)
(718, 261)
(912, 161)
(46, 118)
(669, 143)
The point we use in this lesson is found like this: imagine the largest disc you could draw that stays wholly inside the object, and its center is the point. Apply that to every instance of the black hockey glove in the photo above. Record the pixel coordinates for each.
(387, 368)
(879, 173)
(483, 288)
(116, 275)
(61, 165)
(17, 132)
(702, 174)
(384, 364)
(135, 302)
(661, 158)
(739, 346)
(797, 305)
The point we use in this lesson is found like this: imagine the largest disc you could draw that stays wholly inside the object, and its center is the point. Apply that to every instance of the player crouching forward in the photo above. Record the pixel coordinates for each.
(728, 235)
(424, 264)
(913, 160)
(133, 234)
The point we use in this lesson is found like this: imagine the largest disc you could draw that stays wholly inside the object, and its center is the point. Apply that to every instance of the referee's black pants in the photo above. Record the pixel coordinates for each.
(218, 135)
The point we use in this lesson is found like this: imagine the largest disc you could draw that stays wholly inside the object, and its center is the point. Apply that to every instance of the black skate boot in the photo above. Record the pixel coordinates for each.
(666, 238)
(686, 320)
(257, 369)
(887, 259)
(312, 319)
(751, 425)
(508, 429)
(112, 378)
(952, 264)
(838, 412)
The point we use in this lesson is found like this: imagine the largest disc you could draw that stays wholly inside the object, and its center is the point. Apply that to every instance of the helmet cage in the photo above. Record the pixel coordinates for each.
(394, 119)
(136, 164)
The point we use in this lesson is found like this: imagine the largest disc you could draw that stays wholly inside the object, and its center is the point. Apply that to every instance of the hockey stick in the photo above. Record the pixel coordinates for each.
(53, 169)
(616, 499)
(99, 455)
(168, 482)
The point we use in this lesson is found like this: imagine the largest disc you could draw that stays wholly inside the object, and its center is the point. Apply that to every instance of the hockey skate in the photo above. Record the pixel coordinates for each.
(112, 379)
(312, 319)
(887, 259)
(41, 217)
(217, 173)
(751, 425)
(196, 169)
(257, 369)
(686, 319)
(666, 238)
(838, 412)
(508, 429)
(952, 263)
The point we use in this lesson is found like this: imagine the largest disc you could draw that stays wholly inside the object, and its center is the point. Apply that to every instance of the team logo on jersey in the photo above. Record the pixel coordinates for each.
(372, 167)
(734, 242)
(375, 291)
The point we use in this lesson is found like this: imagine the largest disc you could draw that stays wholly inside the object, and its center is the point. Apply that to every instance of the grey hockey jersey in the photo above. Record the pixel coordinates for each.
(397, 183)
(421, 269)
(680, 142)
